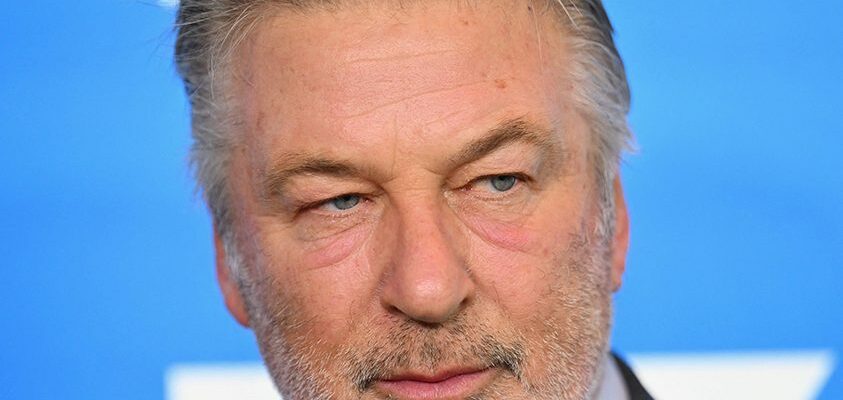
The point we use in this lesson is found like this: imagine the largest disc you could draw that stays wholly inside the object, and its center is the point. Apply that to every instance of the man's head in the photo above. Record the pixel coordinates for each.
(413, 198)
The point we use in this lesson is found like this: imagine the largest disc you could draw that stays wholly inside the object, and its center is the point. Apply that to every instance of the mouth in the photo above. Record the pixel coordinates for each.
(448, 384)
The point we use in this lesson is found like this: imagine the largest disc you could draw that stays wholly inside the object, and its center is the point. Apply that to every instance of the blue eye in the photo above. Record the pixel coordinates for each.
(503, 183)
(345, 202)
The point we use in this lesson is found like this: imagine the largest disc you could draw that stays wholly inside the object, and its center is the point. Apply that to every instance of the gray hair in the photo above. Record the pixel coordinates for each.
(208, 32)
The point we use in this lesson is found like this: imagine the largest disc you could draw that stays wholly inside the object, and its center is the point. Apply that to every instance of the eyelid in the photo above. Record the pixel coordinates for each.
(325, 201)
(521, 176)
(304, 208)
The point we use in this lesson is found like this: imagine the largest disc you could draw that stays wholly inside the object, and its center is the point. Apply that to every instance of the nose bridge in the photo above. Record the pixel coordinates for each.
(425, 233)
(428, 280)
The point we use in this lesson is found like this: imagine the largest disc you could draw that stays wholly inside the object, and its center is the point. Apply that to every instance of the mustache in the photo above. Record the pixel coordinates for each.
(412, 346)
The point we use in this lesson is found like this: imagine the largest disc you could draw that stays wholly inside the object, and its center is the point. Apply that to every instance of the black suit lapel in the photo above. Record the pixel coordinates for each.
(633, 385)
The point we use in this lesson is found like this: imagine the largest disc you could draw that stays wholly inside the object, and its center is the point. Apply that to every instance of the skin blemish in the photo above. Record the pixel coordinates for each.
(500, 83)
(260, 121)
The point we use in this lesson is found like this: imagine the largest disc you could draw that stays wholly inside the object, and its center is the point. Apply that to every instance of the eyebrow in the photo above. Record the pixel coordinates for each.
(516, 130)
(294, 165)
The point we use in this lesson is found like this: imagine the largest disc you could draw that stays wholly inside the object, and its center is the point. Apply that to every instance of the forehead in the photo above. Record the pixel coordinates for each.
(426, 73)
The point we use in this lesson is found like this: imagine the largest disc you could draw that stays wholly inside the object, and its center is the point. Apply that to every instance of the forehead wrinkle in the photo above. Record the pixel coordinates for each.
(399, 57)
(411, 96)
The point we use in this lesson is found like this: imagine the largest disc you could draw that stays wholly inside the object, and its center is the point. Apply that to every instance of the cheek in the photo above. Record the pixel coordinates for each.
(321, 283)
(519, 264)
(506, 236)
(537, 233)
(301, 249)
(334, 251)
(327, 300)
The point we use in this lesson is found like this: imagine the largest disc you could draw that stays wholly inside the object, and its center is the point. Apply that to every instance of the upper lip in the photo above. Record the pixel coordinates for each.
(434, 378)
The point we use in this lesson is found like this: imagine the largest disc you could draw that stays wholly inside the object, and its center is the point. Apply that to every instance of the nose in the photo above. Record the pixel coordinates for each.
(428, 280)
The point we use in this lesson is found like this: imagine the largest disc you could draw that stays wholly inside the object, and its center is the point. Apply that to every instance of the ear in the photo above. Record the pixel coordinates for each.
(620, 241)
(230, 289)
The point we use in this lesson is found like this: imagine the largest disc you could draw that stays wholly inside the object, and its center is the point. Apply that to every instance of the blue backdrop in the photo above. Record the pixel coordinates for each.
(736, 195)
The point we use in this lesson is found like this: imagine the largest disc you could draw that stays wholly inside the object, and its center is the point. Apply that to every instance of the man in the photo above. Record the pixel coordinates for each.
(415, 199)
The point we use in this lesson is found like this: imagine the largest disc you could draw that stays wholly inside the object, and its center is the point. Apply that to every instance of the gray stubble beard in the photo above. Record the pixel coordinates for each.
(574, 355)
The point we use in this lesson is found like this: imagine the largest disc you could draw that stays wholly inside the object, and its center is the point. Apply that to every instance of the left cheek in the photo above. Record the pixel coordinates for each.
(537, 231)
(519, 262)
(517, 236)
(506, 255)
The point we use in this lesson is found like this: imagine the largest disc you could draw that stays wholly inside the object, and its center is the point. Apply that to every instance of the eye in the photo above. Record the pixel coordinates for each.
(498, 185)
(502, 183)
(501, 196)
(344, 202)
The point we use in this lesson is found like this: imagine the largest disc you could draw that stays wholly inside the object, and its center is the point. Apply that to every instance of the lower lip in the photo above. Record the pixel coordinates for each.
(457, 386)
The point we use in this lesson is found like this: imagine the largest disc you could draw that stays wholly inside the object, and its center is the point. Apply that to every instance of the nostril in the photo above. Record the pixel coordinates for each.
(464, 304)
(393, 310)
(428, 325)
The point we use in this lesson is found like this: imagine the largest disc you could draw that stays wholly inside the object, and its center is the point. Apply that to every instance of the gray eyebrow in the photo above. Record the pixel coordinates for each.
(505, 133)
(294, 165)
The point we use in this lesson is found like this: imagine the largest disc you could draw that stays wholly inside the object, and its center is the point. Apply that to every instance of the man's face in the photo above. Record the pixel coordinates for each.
(415, 208)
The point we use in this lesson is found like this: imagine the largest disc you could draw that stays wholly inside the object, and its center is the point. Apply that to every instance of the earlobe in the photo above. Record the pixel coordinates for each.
(230, 289)
(620, 241)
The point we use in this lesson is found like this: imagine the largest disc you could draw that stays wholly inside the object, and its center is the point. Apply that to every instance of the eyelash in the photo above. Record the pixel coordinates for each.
(521, 177)
(310, 206)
